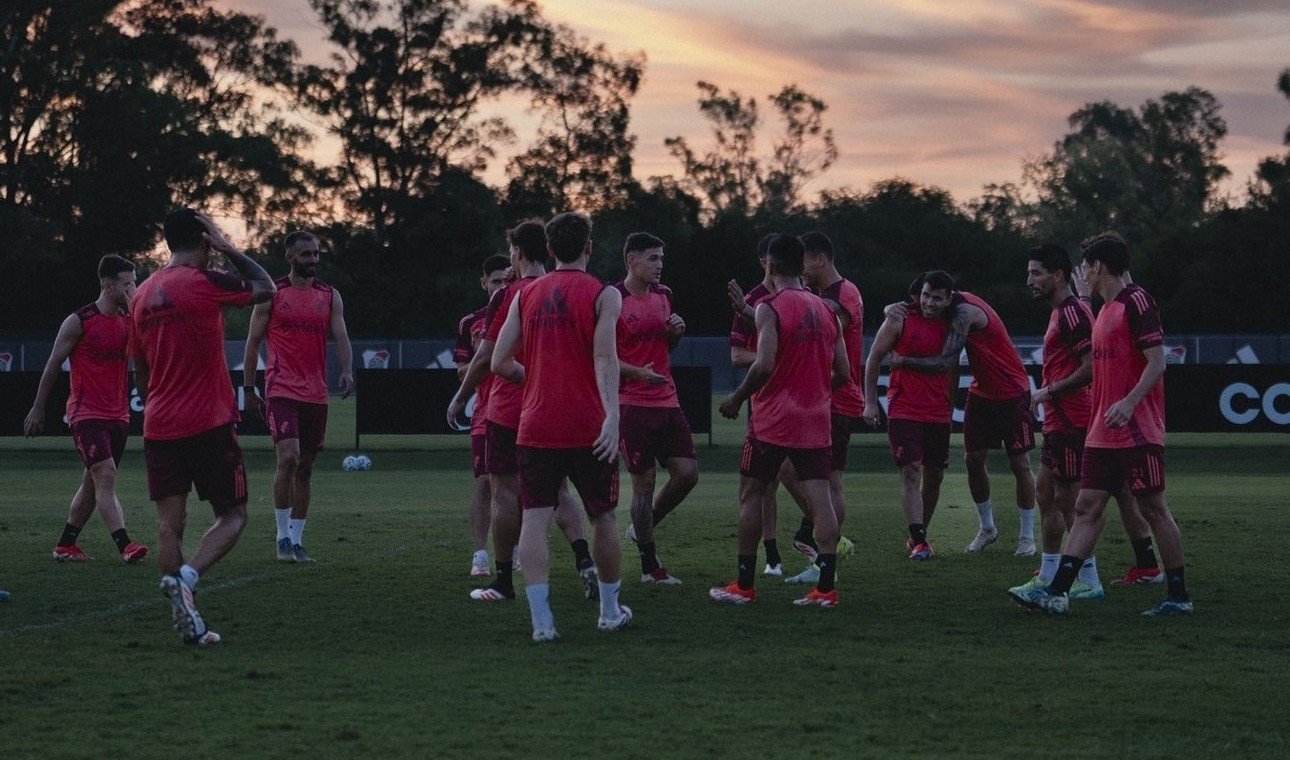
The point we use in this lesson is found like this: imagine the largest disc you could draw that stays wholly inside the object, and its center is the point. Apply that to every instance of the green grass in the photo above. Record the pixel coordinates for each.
(375, 651)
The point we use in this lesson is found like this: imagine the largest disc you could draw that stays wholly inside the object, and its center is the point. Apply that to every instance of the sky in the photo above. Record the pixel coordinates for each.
(954, 94)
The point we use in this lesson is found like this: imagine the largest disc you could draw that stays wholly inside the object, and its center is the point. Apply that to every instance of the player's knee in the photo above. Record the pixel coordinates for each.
(103, 473)
(912, 474)
(288, 461)
(975, 460)
(1020, 465)
(305, 468)
(933, 475)
(687, 475)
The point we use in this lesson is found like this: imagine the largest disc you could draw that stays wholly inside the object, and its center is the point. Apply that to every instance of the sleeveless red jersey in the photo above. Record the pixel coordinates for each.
(177, 327)
(643, 339)
(100, 384)
(793, 406)
(297, 335)
(848, 398)
(505, 399)
(1124, 329)
(997, 372)
(562, 408)
(1068, 339)
(919, 396)
(470, 331)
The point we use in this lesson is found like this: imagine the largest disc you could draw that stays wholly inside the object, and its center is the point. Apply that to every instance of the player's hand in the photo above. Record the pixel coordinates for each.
(456, 412)
(1080, 278)
(509, 274)
(1119, 414)
(255, 404)
(1042, 396)
(730, 407)
(34, 422)
(736, 295)
(346, 385)
(213, 236)
(872, 414)
(676, 325)
(605, 447)
(896, 311)
(650, 376)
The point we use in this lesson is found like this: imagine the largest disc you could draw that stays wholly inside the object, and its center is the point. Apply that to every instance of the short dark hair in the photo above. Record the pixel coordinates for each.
(818, 242)
(1052, 257)
(1108, 248)
(939, 279)
(296, 236)
(567, 235)
(786, 254)
(112, 265)
(638, 242)
(916, 286)
(494, 263)
(530, 238)
(763, 245)
(183, 230)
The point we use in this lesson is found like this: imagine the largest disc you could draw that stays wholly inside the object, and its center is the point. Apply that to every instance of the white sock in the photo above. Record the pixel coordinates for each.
(539, 595)
(1048, 566)
(1088, 572)
(609, 600)
(189, 575)
(1027, 522)
(282, 516)
(985, 511)
(296, 531)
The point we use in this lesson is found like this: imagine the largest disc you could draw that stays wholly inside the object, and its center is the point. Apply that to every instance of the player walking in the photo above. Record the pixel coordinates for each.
(98, 408)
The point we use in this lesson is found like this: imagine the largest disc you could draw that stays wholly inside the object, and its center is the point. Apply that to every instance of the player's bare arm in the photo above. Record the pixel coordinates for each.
(141, 378)
(644, 373)
(741, 307)
(841, 364)
(760, 369)
(503, 362)
(344, 351)
(741, 357)
(255, 333)
(675, 329)
(475, 373)
(888, 333)
(1119, 413)
(896, 311)
(966, 319)
(262, 287)
(1074, 381)
(69, 334)
(844, 317)
(609, 305)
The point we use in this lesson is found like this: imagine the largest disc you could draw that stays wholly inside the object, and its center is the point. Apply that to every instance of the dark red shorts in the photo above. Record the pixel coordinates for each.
(1009, 425)
(761, 461)
(841, 427)
(211, 461)
(1063, 454)
(307, 422)
(478, 449)
(925, 442)
(653, 434)
(1142, 469)
(543, 470)
(97, 440)
(501, 456)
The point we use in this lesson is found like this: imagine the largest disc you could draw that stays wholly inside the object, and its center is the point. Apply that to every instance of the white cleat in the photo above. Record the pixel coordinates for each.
(541, 635)
(983, 539)
(1025, 548)
(660, 577)
(617, 624)
(776, 570)
(479, 565)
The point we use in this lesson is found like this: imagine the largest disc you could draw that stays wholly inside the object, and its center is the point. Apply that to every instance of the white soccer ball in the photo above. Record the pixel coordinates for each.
(350, 464)
(364, 462)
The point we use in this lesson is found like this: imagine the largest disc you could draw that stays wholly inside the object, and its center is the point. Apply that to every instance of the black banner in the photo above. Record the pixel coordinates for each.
(1228, 397)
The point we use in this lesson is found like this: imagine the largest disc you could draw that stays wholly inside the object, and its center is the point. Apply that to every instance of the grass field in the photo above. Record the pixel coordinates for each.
(375, 650)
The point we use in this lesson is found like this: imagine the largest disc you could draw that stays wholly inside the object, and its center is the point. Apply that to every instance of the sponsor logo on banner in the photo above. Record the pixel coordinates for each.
(442, 361)
(6, 362)
(1244, 355)
(1242, 403)
(1175, 354)
(376, 359)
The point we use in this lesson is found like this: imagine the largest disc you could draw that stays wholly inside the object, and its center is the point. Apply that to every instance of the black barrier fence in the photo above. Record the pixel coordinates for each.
(1198, 398)
(415, 401)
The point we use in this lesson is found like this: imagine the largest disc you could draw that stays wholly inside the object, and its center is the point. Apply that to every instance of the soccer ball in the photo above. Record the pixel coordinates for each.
(350, 464)
(364, 462)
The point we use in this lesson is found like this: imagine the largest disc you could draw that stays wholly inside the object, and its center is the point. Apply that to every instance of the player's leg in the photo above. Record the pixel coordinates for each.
(1019, 463)
(568, 517)
(804, 537)
(534, 555)
(1148, 468)
(642, 516)
(104, 476)
(979, 487)
(911, 500)
(813, 468)
(1145, 570)
(841, 427)
(301, 497)
(78, 514)
(481, 509)
(682, 477)
(758, 469)
(933, 476)
(769, 511)
(597, 484)
(284, 495)
(936, 460)
(502, 464)
(1090, 507)
(220, 479)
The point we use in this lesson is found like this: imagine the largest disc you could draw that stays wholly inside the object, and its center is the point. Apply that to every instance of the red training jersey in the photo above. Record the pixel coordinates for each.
(1068, 339)
(793, 406)
(470, 331)
(562, 408)
(297, 335)
(177, 327)
(100, 384)
(643, 339)
(505, 399)
(848, 398)
(1124, 329)
(997, 373)
(743, 334)
(920, 396)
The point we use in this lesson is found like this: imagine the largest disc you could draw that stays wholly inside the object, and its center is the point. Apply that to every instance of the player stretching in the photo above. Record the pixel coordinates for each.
(98, 409)
(652, 425)
(798, 341)
(189, 434)
(919, 405)
(566, 324)
(297, 323)
(1126, 436)
(470, 332)
(501, 458)
(1065, 397)
(997, 412)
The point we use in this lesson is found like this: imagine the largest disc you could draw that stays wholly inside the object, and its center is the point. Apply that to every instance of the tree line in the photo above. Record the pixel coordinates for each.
(113, 111)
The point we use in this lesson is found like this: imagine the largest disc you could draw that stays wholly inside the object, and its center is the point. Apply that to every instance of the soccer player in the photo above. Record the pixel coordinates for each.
(189, 433)
(653, 427)
(919, 405)
(297, 323)
(1126, 435)
(98, 409)
(798, 342)
(470, 332)
(997, 412)
(566, 324)
(528, 255)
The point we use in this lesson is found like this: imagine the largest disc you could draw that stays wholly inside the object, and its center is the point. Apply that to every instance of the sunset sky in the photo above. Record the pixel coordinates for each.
(954, 94)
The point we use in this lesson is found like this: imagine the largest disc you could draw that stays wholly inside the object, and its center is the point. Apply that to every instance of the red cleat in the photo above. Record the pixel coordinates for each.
(733, 594)
(1140, 576)
(818, 598)
(921, 552)
(133, 553)
(71, 553)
